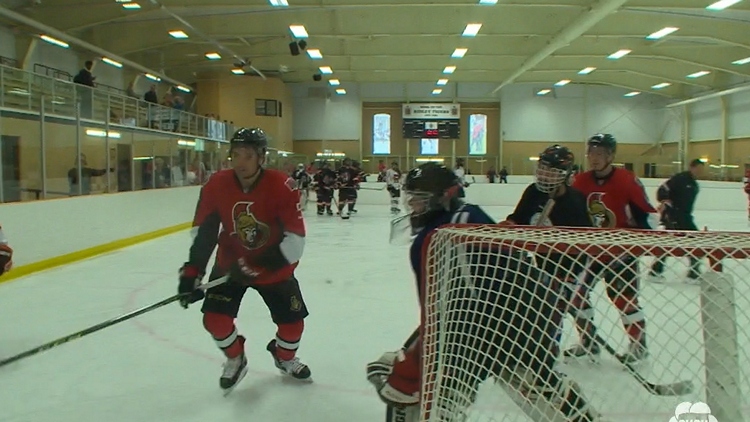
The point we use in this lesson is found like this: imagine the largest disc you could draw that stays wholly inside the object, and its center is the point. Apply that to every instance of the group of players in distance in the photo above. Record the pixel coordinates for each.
(263, 237)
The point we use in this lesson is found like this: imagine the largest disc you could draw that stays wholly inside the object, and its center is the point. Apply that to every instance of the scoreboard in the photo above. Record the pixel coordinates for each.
(443, 129)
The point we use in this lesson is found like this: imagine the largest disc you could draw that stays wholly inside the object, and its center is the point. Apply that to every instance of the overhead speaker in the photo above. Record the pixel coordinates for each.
(317, 77)
(294, 48)
(302, 44)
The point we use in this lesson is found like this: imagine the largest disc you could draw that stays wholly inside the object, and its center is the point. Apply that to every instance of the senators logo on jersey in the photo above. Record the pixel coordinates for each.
(600, 215)
(252, 233)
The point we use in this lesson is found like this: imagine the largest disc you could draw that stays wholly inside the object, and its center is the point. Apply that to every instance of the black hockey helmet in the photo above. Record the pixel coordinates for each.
(250, 137)
(553, 168)
(347, 161)
(604, 140)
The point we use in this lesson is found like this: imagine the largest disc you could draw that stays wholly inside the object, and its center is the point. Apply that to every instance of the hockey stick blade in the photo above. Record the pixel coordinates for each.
(679, 388)
(105, 324)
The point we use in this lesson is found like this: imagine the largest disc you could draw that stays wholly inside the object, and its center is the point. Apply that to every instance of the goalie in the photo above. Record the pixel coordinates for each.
(500, 313)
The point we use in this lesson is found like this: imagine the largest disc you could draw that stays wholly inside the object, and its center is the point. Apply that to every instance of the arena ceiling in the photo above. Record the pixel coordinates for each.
(541, 41)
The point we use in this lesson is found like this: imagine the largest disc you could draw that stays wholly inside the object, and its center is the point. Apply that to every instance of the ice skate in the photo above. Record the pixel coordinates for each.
(234, 370)
(294, 367)
(591, 352)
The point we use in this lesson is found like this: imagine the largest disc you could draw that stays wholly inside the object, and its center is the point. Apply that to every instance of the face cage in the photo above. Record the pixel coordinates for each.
(417, 202)
(547, 178)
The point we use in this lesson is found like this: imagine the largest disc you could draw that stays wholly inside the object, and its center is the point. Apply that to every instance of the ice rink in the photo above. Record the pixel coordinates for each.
(163, 367)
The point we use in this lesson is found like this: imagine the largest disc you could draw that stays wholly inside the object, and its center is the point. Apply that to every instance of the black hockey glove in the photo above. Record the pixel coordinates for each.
(190, 280)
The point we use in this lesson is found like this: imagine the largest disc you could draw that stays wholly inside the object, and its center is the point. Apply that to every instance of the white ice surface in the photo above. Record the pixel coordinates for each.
(163, 366)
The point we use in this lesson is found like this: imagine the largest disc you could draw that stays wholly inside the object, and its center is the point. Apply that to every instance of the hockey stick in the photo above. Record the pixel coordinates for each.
(678, 388)
(403, 414)
(105, 324)
(368, 188)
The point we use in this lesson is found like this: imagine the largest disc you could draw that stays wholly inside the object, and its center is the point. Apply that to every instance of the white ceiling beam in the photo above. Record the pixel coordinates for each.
(583, 23)
(704, 97)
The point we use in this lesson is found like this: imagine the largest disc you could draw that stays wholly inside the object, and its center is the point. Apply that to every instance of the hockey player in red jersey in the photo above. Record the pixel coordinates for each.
(616, 199)
(6, 254)
(746, 183)
(259, 246)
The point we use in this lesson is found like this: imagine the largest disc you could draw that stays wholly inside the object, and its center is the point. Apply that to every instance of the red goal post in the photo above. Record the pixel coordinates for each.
(697, 331)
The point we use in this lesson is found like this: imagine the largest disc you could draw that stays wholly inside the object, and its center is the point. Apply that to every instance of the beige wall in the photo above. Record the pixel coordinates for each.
(233, 98)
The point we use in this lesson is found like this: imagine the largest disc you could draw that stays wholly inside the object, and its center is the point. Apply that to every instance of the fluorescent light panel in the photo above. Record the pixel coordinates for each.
(131, 6)
(459, 52)
(183, 88)
(152, 77)
(178, 34)
(279, 3)
(661, 85)
(437, 91)
(442, 82)
(586, 70)
(97, 133)
(326, 70)
(238, 71)
(298, 31)
(54, 41)
(449, 69)
(334, 82)
(111, 62)
(314, 53)
(722, 4)
(341, 91)
(544, 92)
(746, 60)
(632, 94)
(213, 56)
(471, 30)
(698, 74)
(487, 1)
(563, 82)
(619, 54)
(662, 33)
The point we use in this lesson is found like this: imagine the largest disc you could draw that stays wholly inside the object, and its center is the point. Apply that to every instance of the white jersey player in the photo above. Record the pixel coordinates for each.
(393, 183)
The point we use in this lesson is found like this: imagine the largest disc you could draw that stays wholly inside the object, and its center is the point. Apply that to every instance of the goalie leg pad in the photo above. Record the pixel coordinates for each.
(560, 400)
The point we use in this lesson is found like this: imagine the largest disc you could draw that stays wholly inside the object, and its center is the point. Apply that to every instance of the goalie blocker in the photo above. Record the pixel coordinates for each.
(512, 340)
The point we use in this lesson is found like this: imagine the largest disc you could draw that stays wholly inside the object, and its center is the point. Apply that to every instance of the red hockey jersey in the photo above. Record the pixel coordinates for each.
(617, 201)
(267, 216)
(746, 181)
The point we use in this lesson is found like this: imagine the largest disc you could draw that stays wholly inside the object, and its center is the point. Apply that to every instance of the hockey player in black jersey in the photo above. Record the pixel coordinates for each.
(552, 178)
(503, 313)
(348, 182)
(324, 182)
(676, 199)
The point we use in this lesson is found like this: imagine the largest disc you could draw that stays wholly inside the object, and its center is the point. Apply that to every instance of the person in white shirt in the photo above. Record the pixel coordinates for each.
(393, 182)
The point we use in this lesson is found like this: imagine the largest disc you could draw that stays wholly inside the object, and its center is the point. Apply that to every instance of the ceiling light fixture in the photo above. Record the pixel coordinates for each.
(326, 70)
(619, 54)
(442, 82)
(722, 4)
(632, 94)
(238, 71)
(334, 82)
(746, 60)
(437, 91)
(131, 6)
(472, 30)
(183, 88)
(54, 41)
(544, 92)
(662, 33)
(449, 69)
(111, 62)
(279, 3)
(213, 56)
(459, 52)
(661, 85)
(698, 74)
(314, 54)
(563, 82)
(178, 34)
(487, 1)
(586, 70)
(298, 31)
(341, 91)
(152, 77)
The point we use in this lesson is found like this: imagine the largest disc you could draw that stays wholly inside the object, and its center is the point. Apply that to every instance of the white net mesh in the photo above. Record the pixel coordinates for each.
(502, 304)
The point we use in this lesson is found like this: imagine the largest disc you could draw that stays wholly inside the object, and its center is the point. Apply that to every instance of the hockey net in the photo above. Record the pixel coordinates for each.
(485, 326)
